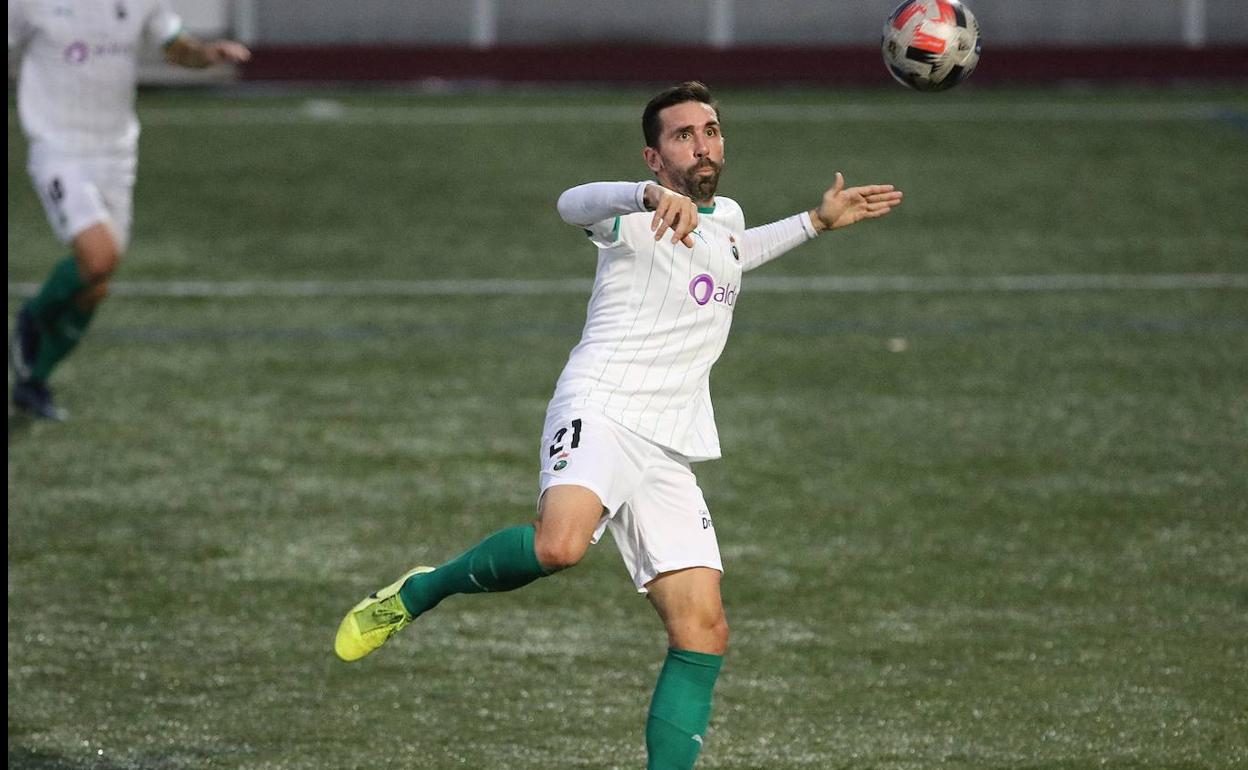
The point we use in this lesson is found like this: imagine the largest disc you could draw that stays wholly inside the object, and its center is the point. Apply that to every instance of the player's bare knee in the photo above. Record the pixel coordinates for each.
(98, 254)
(556, 554)
(720, 634)
(98, 267)
(712, 640)
(699, 631)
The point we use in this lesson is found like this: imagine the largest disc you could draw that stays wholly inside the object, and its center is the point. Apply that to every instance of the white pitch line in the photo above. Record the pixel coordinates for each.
(815, 284)
(330, 112)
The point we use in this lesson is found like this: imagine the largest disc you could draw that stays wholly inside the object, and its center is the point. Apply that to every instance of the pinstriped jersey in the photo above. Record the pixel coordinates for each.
(76, 88)
(658, 319)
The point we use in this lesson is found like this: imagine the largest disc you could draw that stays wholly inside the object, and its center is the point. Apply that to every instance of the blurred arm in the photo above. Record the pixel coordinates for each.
(188, 51)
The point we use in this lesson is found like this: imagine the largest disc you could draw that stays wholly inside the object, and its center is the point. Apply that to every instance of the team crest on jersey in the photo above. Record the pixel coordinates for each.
(733, 242)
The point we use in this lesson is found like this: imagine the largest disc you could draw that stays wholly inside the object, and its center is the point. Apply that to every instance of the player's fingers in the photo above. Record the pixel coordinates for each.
(680, 225)
(687, 223)
(658, 234)
(877, 213)
(662, 217)
(884, 197)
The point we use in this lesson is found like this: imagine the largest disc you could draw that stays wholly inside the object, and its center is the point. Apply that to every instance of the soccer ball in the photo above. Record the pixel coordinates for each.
(931, 45)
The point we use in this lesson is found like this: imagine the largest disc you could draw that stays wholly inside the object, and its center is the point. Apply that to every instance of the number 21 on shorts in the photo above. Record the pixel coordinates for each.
(557, 446)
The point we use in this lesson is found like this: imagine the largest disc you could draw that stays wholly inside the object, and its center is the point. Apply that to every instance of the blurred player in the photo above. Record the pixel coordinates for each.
(632, 410)
(75, 98)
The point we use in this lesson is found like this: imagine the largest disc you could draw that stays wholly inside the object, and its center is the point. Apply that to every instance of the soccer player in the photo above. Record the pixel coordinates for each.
(75, 98)
(632, 410)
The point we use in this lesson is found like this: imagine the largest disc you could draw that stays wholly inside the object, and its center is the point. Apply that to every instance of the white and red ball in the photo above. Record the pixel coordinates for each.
(931, 45)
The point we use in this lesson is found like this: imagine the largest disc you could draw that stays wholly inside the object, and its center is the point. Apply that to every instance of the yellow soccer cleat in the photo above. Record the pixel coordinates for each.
(371, 622)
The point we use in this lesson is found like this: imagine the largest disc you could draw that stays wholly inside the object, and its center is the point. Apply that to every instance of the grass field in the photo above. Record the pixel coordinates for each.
(962, 529)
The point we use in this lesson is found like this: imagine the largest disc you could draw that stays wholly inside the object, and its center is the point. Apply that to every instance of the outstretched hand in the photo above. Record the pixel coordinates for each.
(843, 206)
(226, 52)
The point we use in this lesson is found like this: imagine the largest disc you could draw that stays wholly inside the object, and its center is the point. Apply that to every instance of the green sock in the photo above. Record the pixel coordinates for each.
(58, 338)
(57, 291)
(501, 562)
(680, 709)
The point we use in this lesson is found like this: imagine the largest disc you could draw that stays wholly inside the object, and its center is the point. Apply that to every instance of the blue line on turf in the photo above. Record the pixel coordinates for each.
(1233, 117)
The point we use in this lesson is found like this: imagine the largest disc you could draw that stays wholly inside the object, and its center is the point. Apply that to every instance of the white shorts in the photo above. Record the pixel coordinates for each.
(79, 191)
(655, 510)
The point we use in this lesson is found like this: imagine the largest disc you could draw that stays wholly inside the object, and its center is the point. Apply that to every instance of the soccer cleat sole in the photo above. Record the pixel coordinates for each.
(351, 642)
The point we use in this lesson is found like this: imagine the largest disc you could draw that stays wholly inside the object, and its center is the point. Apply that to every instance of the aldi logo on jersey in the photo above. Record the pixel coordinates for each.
(76, 52)
(704, 291)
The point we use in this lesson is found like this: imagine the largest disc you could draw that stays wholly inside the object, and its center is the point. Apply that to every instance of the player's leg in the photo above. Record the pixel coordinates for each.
(504, 561)
(584, 470)
(667, 539)
(689, 603)
(514, 557)
(68, 301)
(88, 206)
(51, 324)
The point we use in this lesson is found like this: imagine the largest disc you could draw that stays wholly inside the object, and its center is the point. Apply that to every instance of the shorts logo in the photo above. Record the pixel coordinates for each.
(76, 52)
(706, 519)
(703, 289)
(561, 465)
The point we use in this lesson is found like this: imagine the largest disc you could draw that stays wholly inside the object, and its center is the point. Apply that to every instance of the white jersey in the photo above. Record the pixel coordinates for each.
(658, 318)
(76, 89)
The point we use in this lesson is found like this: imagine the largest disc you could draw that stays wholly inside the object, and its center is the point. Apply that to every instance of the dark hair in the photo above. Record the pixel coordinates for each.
(689, 91)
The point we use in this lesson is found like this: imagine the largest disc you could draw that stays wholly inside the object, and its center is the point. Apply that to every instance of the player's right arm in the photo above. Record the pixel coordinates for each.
(188, 51)
(598, 203)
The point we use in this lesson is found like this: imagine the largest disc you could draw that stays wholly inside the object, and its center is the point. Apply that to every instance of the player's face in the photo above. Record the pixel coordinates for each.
(690, 154)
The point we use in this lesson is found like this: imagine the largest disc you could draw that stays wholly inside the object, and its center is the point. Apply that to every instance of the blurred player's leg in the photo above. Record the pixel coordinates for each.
(87, 202)
(689, 603)
(52, 322)
(506, 560)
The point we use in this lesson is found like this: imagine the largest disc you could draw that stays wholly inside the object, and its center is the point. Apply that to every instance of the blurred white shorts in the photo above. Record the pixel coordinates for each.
(78, 191)
(655, 510)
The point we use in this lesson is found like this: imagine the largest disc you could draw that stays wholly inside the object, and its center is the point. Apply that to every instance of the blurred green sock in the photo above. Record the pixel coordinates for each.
(57, 291)
(59, 338)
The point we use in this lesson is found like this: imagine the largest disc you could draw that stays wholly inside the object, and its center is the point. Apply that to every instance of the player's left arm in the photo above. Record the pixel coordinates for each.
(186, 50)
(839, 208)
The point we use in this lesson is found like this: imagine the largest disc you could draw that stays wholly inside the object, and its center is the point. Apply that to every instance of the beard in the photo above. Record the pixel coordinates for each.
(701, 187)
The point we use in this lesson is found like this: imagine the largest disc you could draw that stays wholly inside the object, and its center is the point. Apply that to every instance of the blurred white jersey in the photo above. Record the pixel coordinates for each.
(76, 89)
(657, 321)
